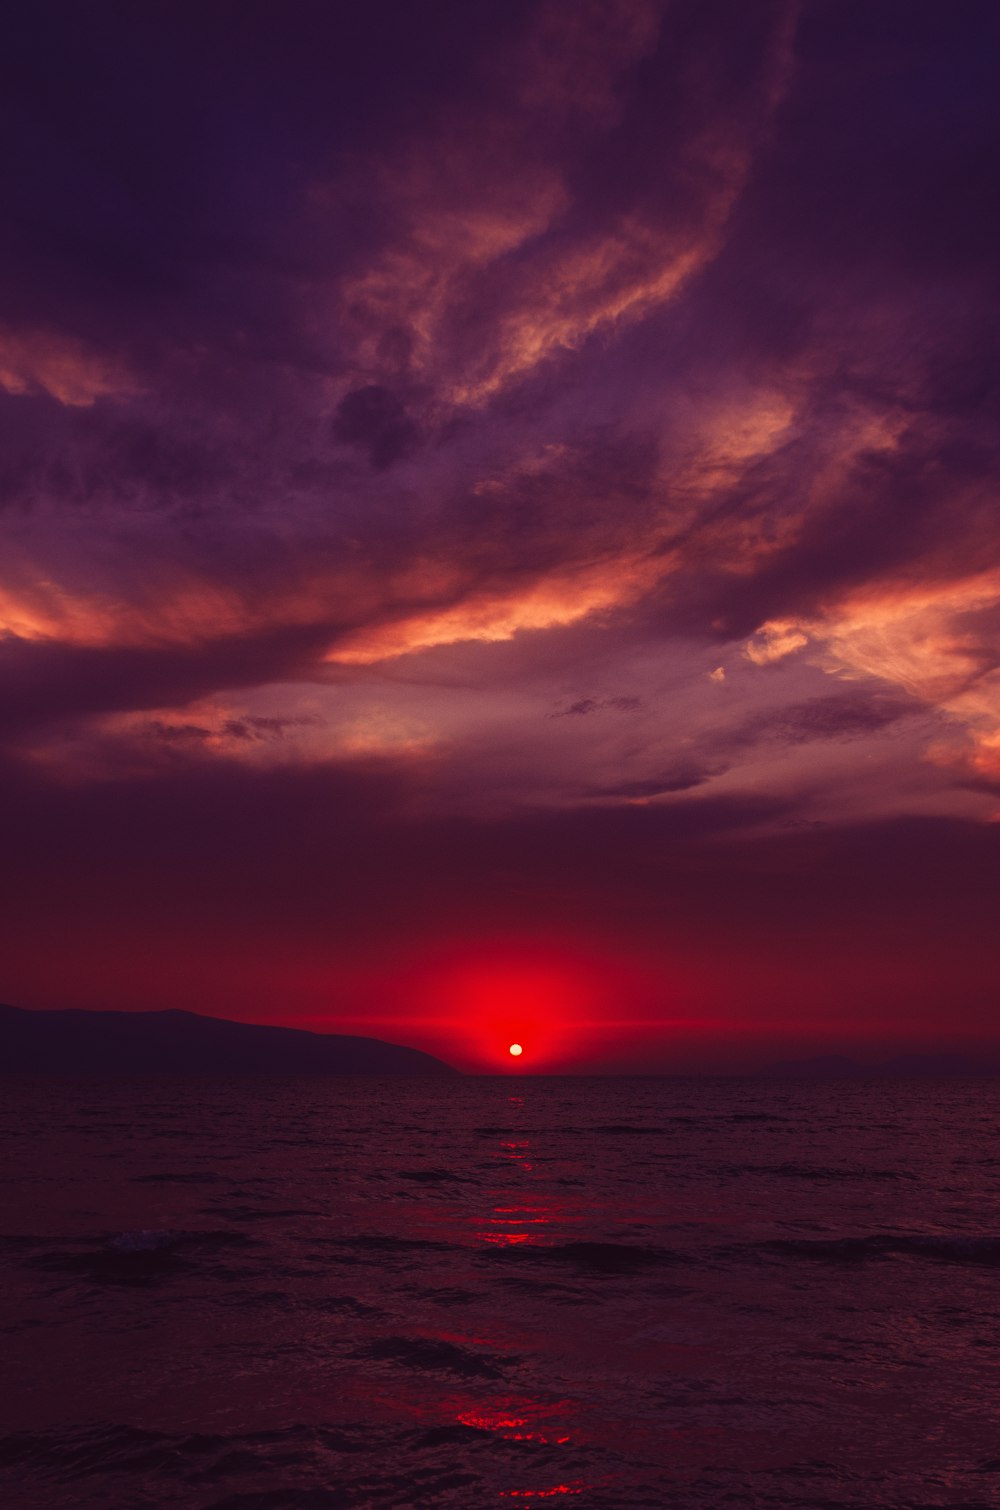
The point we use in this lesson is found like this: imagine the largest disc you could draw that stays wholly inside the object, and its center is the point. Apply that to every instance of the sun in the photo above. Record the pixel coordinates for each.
(516, 1049)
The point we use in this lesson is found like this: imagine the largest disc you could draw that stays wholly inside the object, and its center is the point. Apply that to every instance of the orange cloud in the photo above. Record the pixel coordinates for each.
(170, 613)
(305, 730)
(615, 277)
(44, 361)
(563, 598)
(933, 639)
(774, 640)
(483, 222)
(600, 552)
(134, 601)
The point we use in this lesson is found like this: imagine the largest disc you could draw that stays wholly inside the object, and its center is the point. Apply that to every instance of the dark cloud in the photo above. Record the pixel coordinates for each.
(888, 138)
(255, 728)
(244, 730)
(585, 705)
(375, 420)
(161, 155)
(849, 715)
(43, 683)
(681, 780)
(174, 733)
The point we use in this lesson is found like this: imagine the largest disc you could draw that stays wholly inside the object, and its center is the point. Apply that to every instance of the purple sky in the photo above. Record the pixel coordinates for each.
(499, 521)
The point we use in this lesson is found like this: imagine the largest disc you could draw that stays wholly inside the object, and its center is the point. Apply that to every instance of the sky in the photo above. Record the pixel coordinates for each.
(499, 530)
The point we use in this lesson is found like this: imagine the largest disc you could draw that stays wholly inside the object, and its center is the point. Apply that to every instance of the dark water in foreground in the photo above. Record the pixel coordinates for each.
(296, 1294)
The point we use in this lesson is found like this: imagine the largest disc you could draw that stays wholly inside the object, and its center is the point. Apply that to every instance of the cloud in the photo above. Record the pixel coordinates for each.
(62, 368)
(531, 368)
(936, 640)
(682, 780)
(45, 682)
(556, 599)
(845, 715)
(499, 263)
(376, 420)
(585, 705)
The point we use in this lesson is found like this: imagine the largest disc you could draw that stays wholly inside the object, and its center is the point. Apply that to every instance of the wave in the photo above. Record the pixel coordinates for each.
(591, 1257)
(237, 1213)
(819, 1173)
(142, 1256)
(606, 1129)
(434, 1355)
(177, 1179)
(143, 1241)
(433, 1176)
(285, 1499)
(151, 1240)
(378, 1243)
(83, 1450)
(754, 1117)
(71, 1453)
(942, 1248)
(334, 1305)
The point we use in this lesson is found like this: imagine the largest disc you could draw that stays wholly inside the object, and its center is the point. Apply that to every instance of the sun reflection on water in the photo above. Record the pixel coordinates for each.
(543, 1494)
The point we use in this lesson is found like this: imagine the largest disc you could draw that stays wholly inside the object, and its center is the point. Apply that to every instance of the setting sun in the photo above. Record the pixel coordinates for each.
(516, 1049)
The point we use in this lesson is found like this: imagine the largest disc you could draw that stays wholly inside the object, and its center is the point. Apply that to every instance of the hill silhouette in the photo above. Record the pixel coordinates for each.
(186, 1043)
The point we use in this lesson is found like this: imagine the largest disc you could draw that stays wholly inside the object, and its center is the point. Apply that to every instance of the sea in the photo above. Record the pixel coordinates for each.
(271, 1294)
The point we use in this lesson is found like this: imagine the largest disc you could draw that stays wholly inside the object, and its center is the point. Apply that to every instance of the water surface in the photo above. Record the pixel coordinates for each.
(313, 1293)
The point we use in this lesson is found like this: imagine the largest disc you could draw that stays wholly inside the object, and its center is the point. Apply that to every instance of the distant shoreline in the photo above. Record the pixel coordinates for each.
(76, 1042)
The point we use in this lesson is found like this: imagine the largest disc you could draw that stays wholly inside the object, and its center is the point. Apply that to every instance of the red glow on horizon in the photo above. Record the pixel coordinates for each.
(576, 1006)
(512, 1005)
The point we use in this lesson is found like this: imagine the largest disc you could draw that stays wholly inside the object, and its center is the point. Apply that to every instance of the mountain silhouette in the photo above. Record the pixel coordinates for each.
(185, 1043)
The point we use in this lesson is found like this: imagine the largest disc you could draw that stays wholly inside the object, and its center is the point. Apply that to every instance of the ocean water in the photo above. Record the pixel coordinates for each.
(231, 1295)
